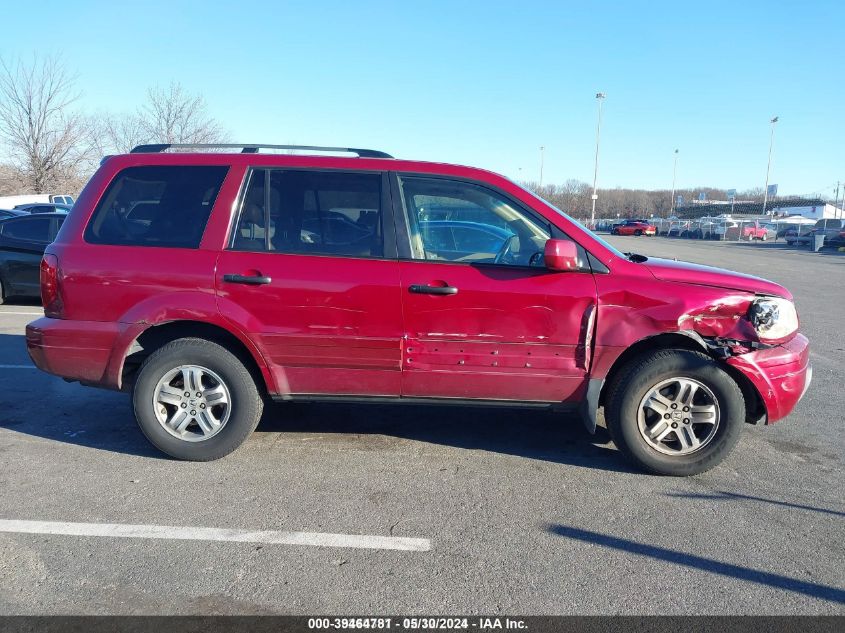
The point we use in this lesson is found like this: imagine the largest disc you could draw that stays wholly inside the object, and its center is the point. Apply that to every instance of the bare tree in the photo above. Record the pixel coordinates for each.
(48, 143)
(172, 115)
(119, 133)
(12, 181)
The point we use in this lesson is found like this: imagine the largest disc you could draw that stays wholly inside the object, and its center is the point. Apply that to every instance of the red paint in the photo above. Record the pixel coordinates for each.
(779, 374)
(509, 333)
(323, 327)
(561, 255)
(336, 325)
(635, 228)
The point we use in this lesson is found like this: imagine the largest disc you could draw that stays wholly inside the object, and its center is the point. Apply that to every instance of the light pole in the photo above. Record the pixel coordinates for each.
(674, 173)
(542, 148)
(769, 166)
(600, 98)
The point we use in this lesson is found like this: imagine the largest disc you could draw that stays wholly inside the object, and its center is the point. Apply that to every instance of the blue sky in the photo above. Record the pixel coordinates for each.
(486, 83)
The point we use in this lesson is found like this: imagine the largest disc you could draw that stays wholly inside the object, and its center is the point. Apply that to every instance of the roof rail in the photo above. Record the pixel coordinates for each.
(253, 149)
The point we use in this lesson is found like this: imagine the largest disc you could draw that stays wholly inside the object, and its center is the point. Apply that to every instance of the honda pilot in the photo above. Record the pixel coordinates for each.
(206, 283)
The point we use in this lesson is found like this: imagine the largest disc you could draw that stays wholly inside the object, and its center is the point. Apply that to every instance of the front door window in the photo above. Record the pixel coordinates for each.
(455, 221)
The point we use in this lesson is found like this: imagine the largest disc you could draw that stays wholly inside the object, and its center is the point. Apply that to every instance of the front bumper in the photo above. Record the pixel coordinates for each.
(781, 375)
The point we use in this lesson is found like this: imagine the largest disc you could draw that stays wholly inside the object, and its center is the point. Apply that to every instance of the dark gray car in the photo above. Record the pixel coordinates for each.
(22, 243)
(829, 227)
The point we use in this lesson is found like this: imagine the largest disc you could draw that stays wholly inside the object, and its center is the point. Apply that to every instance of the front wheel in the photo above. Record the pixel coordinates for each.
(195, 400)
(675, 412)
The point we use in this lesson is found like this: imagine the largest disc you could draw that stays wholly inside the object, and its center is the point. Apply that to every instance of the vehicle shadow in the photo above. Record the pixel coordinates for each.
(543, 435)
(40, 405)
(22, 301)
(722, 495)
(709, 565)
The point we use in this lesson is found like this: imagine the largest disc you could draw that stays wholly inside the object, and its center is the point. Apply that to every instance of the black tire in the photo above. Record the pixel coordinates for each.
(638, 232)
(642, 374)
(2, 292)
(246, 402)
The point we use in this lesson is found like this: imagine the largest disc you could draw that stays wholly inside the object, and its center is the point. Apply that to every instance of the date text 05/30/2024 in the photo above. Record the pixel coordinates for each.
(419, 623)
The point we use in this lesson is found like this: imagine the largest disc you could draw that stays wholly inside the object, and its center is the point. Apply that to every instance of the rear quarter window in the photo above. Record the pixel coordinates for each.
(164, 206)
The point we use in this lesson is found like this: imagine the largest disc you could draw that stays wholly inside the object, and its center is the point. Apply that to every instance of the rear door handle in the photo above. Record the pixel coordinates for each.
(246, 279)
(432, 290)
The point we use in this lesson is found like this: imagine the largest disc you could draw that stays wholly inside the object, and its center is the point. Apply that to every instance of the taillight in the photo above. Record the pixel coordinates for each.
(51, 297)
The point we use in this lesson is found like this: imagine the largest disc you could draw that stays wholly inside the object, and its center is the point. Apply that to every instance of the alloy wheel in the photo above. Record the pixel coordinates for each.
(192, 403)
(678, 416)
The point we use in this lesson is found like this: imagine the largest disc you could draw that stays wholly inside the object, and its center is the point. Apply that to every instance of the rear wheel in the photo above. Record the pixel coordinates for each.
(675, 412)
(638, 232)
(195, 400)
(2, 292)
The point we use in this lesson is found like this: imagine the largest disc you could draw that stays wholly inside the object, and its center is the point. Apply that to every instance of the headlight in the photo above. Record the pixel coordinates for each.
(774, 318)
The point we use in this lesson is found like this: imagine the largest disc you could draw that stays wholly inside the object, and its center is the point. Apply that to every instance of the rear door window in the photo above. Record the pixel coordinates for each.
(312, 213)
(165, 206)
(29, 229)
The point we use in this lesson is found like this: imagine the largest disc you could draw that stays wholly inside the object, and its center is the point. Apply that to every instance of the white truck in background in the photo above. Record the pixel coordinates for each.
(10, 202)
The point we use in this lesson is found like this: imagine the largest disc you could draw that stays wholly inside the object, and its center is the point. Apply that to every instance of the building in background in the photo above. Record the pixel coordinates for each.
(816, 211)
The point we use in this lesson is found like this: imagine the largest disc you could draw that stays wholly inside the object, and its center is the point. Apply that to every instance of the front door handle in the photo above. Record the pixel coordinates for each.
(432, 290)
(255, 280)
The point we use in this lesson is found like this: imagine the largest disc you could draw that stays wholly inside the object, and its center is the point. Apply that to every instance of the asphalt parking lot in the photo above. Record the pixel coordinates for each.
(520, 512)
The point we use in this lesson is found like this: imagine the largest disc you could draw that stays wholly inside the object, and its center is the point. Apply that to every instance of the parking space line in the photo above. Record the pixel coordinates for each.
(17, 367)
(269, 537)
(23, 313)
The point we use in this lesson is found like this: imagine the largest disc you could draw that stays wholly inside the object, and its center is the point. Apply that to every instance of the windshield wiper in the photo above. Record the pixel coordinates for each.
(636, 258)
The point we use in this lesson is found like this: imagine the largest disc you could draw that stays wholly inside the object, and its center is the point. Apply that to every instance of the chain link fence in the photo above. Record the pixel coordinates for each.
(721, 229)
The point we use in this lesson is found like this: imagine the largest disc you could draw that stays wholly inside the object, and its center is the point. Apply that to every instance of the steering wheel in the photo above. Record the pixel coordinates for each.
(506, 250)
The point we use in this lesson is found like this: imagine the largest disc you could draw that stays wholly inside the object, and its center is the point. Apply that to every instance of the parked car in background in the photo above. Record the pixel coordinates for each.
(723, 227)
(792, 233)
(679, 228)
(738, 229)
(634, 227)
(771, 231)
(22, 243)
(754, 231)
(828, 227)
(837, 241)
(797, 222)
(10, 213)
(455, 240)
(44, 207)
(219, 298)
(35, 198)
(702, 229)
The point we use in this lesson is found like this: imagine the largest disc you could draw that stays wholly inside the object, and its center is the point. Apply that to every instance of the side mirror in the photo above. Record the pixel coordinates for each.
(560, 255)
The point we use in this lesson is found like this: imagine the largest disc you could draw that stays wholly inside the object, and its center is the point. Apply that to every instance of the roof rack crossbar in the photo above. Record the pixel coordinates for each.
(155, 148)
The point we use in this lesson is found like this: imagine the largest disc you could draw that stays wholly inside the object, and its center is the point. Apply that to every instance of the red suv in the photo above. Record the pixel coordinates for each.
(204, 283)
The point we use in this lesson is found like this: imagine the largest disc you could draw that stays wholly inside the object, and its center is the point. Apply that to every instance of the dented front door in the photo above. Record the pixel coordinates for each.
(495, 332)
